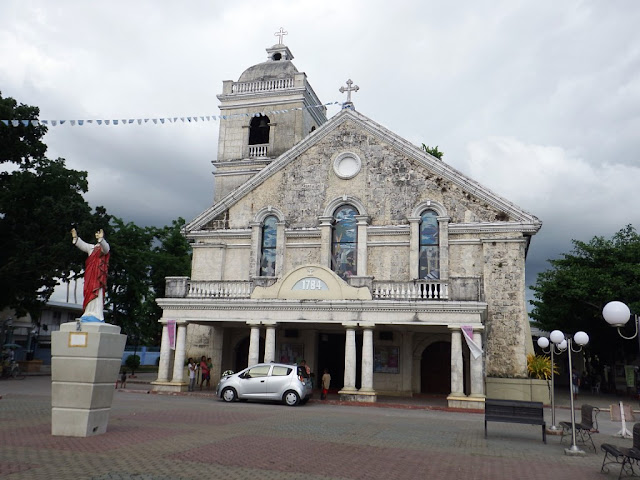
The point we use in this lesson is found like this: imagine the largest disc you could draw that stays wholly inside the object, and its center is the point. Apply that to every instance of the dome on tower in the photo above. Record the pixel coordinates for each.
(278, 65)
(269, 70)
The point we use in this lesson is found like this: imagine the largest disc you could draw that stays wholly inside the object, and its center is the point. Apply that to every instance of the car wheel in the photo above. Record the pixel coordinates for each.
(291, 398)
(229, 394)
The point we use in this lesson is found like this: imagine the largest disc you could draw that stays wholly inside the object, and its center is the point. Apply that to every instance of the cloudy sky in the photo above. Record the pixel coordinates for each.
(539, 101)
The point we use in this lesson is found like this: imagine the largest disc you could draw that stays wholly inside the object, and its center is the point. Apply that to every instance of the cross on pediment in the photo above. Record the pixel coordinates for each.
(280, 33)
(349, 89)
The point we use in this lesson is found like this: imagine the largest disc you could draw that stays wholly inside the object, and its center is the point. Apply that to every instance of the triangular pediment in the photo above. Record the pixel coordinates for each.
(340, 134)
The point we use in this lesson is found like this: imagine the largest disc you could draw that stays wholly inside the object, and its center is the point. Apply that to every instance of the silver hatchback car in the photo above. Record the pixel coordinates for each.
(289, 384)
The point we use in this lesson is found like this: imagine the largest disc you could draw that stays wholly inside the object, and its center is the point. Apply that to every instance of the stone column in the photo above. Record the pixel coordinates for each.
(165, 356)
(270, 343)
(367, 359)
(457, 388)
(443, 232)
(256, 245)
(280, 248)
(477, 374)
(254, 345)
(361, 265)
(349, 387)
(325, 241)
(181, 349)
(414, 247)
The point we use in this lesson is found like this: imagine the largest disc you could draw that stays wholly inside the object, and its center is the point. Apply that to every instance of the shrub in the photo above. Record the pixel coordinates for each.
(539, 366)
(132, 362)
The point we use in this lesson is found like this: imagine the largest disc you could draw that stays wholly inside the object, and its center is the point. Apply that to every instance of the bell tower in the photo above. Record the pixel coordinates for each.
(265, 113)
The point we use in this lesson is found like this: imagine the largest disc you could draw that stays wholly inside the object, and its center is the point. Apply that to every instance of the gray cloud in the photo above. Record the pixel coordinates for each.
(540, 102)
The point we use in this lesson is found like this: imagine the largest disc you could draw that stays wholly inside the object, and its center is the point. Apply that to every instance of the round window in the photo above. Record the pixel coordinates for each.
(347, 165)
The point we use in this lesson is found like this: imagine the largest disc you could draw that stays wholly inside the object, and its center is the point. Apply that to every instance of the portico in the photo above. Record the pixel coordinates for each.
(314, 300)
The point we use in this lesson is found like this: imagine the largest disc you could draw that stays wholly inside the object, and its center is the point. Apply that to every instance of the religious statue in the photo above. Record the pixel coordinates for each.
(95, 275)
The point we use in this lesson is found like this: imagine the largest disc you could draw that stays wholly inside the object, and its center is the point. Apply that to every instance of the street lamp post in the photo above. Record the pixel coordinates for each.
(580, 339)
(543, 343)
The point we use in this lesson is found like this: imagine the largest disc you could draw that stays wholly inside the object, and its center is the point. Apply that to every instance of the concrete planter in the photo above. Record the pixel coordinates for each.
(528, 389)
(84, 368)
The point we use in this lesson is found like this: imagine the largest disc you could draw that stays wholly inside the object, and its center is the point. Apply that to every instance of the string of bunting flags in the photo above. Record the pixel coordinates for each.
(161, 120)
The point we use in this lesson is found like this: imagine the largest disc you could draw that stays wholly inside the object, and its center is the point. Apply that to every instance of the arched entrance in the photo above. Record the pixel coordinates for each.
(242, 353)
(435, 368)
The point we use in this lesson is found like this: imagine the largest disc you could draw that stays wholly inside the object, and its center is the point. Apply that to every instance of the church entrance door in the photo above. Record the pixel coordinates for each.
(435, 368)
(331, 356)
(242, 353)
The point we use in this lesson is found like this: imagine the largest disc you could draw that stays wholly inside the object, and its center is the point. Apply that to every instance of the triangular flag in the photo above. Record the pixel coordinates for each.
(162, 121)
(115, 122)
(72, 122)
(6, 122)
(25, 122)
(15, 123)
(99, 122)
(139, 121)
(106, 122)
(89, 121)
(80, 122)
(44, 122)
(54, 123)
(154, 120)
(146, 120)
(131, 120)
(62, 122)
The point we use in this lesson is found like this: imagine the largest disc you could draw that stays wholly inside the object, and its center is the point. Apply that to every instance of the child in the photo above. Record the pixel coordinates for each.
(326, 381)
(123, 379)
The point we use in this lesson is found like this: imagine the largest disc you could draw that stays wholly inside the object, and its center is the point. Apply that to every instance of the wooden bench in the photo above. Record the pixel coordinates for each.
(514, 411)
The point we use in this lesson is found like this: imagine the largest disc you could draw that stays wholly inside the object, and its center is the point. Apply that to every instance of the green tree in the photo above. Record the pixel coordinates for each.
(39, 201)
(128, 282)
(141, 258)
(570, 296)
(171, 256)
(433, 151)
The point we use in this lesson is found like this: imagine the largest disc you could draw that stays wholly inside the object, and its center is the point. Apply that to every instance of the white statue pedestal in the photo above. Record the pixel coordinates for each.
(84, 368)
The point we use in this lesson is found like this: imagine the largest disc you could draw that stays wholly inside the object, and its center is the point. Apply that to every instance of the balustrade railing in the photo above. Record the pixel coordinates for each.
(459, 289)
(258, 150)
(417, 290)
(220, 289)
(262, 86)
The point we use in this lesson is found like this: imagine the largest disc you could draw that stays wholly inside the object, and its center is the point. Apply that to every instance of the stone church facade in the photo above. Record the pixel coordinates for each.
(339, 242)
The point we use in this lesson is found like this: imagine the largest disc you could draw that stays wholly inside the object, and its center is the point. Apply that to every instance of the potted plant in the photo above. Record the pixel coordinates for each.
(539, 368)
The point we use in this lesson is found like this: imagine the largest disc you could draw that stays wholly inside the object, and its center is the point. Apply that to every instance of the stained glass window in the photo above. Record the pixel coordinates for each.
(344, 241)
(268, 247)
(429, 260)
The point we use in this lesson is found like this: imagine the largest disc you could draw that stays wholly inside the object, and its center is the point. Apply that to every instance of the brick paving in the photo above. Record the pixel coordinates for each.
(195, 436)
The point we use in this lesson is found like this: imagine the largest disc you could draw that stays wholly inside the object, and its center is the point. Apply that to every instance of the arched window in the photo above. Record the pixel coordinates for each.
(259, 130)
(344, 242)
(429, 258)
(268, 247)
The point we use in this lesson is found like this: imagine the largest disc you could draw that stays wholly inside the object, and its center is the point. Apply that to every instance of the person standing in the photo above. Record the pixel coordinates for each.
(95, 275)
(326, 382)
(192, 374)
(575, 381)
(204, 371)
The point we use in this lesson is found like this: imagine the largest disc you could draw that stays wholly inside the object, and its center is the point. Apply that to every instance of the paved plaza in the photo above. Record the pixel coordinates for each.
(196, 436)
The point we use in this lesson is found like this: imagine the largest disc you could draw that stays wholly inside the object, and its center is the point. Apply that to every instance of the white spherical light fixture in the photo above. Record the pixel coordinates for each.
(562, 345)
(581, 338)
(616, 313)
(556, 336)
(543, 342)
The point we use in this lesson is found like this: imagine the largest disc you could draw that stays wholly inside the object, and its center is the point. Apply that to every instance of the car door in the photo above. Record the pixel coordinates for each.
(253, 384)
(278, 381)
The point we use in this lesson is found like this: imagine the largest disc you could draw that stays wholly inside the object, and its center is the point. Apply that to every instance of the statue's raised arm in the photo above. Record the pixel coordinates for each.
(95, 275)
